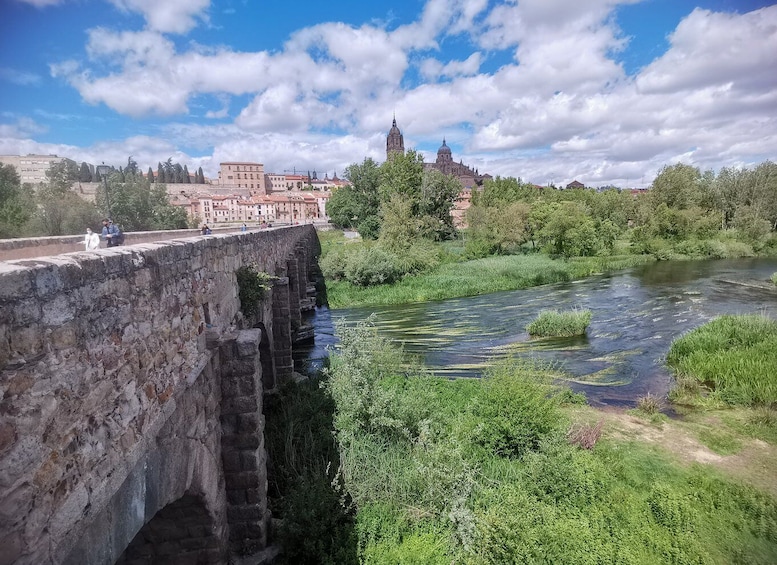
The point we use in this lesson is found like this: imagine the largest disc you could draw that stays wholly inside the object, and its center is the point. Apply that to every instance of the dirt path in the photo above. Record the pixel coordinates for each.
(754, 463)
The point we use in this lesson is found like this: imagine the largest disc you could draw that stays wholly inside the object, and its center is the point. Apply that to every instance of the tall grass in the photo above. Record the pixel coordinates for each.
(482, 471)
(735, 356)
(560, 324)
(481, 276)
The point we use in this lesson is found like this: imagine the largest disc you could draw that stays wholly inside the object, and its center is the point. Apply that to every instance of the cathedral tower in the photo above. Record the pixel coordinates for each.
(395, 143)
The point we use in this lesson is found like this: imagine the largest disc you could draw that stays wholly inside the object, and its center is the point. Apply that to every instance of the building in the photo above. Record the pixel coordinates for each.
(395, 143)
(575, 184)
(444, 163)
(32, 169)
(469, 178)
(245, 175)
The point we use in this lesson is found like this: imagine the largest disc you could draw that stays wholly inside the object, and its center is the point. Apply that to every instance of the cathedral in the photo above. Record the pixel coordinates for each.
(468, 177)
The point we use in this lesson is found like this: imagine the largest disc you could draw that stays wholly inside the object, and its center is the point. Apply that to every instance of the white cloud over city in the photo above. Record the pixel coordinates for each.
(559, 106)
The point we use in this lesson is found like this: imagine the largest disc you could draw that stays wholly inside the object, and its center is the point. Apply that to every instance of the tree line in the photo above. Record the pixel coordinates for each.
(166, 173)
(686, 212)
(132, 200)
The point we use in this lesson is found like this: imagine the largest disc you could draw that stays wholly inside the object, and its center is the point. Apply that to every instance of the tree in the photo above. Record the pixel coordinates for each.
(200, 176)
(678, 186)
(178, 174)
(59, 210)
(16, 203)
(84, 174)
(186, 178)
(358, 204)
(160, 174)
(150, 175)
(137, 205)
(438, 193)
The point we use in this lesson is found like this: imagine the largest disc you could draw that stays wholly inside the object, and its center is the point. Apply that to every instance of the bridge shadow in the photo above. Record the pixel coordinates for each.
(181, 533)
(317, 518)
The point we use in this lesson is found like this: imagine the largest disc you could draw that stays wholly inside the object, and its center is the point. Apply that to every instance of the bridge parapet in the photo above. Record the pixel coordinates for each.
(99, 352)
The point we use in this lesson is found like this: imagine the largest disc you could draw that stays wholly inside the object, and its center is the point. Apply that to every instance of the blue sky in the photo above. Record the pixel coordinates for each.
(603, 91)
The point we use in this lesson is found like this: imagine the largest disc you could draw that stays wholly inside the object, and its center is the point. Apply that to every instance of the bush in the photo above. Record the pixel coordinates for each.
(372, 266)
(515, 410)
(774, 278)
(560, 324)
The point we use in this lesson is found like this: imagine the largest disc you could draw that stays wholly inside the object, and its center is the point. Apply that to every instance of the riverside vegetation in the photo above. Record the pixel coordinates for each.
(551, 323)
(521, 235)
(504, 469)
(513, 468)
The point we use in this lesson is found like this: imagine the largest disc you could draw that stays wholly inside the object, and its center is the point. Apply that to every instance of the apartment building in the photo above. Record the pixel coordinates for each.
(245, 175)
(32, 168)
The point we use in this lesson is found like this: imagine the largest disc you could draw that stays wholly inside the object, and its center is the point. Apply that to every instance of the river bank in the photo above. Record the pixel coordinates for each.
(477, 277)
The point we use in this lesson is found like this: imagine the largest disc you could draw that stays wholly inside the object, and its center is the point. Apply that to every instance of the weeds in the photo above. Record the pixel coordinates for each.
(650, 404)
(585, 435)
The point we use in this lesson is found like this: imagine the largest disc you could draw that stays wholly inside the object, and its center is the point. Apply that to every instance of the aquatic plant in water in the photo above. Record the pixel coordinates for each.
(560, 324)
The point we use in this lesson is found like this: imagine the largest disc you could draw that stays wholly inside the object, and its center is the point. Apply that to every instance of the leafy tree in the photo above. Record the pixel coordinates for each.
(16, 202)
(59, 210)
(358, 203)
(678, 186)
(137, 205)
(160, 174)
(200, 176)
(150, 175)
(186, 178)
(438, 193)
(403, 174)
(178, 174)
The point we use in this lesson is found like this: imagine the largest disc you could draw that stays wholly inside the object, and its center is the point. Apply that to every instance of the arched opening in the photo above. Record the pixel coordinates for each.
(182, 533)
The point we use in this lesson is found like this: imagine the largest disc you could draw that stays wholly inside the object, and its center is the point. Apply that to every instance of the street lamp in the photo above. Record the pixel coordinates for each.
(104, 170)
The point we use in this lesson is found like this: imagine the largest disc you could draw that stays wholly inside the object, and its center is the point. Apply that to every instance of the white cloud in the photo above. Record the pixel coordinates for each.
(563, 107)
(18, 77)
(713, 48)
(168, 16)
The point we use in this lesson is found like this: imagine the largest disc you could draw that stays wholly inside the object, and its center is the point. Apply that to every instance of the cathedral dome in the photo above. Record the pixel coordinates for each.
(444, 148)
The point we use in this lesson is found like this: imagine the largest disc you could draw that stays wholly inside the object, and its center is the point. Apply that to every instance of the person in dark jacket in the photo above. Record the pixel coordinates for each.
(111, 233)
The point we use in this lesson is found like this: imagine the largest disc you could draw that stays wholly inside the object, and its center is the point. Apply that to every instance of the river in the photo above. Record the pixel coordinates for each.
(636, 315)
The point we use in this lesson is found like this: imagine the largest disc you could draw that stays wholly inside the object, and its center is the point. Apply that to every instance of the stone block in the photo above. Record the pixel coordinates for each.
(248, 342)
(239, 405)
(16, 282)
(245, 513)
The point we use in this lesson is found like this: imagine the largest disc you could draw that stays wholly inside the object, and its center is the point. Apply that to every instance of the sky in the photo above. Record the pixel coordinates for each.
(600, 91)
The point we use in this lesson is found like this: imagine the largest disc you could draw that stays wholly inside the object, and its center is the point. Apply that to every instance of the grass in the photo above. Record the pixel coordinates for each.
(481, 276)
(734, 356)
(485, 471)
(551, 323)
(773, 278)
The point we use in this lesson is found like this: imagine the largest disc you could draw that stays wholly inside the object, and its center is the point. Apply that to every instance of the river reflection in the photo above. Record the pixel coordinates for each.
(636, 315)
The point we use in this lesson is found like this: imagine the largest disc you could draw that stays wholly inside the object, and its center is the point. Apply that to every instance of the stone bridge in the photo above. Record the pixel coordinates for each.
(131, 385)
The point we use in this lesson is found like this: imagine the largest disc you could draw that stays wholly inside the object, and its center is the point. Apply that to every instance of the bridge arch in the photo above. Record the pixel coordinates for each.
(182, 533)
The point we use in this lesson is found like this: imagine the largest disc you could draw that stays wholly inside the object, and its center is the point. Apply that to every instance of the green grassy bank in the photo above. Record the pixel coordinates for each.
(492, 471)
(732, 359)
(481, 276)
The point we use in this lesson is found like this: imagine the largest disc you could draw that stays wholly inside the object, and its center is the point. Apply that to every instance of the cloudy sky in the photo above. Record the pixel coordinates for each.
(603, 91)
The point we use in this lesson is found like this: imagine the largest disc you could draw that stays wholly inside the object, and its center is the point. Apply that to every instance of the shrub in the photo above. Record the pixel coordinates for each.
(253, 286)
(774, 278)
(560, 324)
(371, 266)
(515, 410)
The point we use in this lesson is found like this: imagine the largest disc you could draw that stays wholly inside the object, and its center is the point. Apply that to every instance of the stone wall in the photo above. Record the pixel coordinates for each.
(110, 363)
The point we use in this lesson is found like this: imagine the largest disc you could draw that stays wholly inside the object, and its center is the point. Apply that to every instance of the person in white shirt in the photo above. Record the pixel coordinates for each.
(91, 240)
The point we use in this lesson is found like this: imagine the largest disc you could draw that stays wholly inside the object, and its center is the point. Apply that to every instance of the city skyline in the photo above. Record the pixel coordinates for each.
(602, 91)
